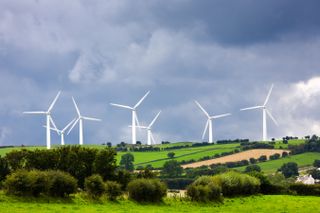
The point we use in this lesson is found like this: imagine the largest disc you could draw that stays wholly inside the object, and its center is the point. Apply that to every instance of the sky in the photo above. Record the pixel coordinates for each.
(224, 54)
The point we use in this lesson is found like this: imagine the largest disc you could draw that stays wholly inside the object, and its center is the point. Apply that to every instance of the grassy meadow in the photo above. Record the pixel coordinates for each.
(263, 203)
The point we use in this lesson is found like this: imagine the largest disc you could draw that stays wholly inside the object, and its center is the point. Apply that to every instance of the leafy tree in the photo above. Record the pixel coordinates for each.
(171, 154)
(138, 142)
(253, 160)
(105, 163)
(172, 169)
(316, 163)
(262, 158)
(289, 169)
(127, 161)
(252, 168)
(315, 174)
(284, 154)
(109, 144)
(4, 168)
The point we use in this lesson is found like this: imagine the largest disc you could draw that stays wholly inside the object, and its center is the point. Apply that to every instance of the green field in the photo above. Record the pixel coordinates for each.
(266, 203)
(303, 160)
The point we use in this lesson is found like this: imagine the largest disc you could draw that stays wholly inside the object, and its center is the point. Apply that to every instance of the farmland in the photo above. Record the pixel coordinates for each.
(265, 203)
(303, 160)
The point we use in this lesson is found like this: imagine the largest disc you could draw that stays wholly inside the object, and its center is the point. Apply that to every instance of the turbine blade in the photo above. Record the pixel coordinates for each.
(137, 120)
(73, 125)
(121, 106)
(205, 129)
(56, 130)
(76, 106)
(68, 125)
(220, 116)
(272, 118)
(249, 108)
(54, 101)
(52, 122)
(91, 119)
(154, 120)
(141, 127)
(268, 96)
(35, 112)
(139, 102)
(202, 109)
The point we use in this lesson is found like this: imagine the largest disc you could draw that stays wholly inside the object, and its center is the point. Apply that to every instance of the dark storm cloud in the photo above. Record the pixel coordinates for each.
(225, 54)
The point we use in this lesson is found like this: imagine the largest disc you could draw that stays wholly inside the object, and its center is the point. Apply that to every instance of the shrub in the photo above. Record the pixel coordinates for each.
(126, 161)
(113, 190)
(284, 154)
(316, 163)
(234, 183)
(315, 173)
(171, 154)
(18, 183)
(289, 169)
(274, 156)
(38, 182)
(252, 168)
(4, 168)
(262, 158)
(172, 168)
(304, 189)
(61, 184)
(253, 160)
(147, 190)
(94, 185)
(266, 187)
(204, 189)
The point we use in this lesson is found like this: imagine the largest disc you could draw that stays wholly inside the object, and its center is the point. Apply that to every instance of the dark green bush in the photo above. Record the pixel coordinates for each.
(252, 168)
(113, 190)
(316, 163)
(204, 190)
(253, 160)
(38, 182)
(262, 158)
(304, 189)
(18, 183)
(289, 169)
(266, 187)
(147, 190)
(234, 183)
(61, 184)
(94, 185)
(177, 183)
(284, 154)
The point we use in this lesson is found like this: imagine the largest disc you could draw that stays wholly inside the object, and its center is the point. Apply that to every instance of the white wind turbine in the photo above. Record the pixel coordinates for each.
(80, 120)
(265, 111)
(149, 130)
(48, 119)
(209, 122)
(134, 120)
(62, 131)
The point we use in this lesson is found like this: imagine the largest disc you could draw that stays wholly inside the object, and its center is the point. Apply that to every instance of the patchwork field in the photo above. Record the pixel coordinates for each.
(266, 203)
(246, 155)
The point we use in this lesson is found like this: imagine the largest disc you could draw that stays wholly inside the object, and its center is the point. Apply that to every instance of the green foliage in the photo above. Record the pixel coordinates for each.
(253, 160)
(123, 177)
(204, 189)
(147, 190)
(234, 183)
(105, 163)
(305, 189)
(39, 182)
(113, 190)
(171, 154)
(266, 187)
(172, 169)
(252, 168)
(18, 183)
(146, 173)
(289, 169)
(177, 183)
(315, 173)
(94, 185)
(61, 184)
(127, 161)
(262, 158)
(316, 163)
(16, 159)
(284, 154)
(4, 168)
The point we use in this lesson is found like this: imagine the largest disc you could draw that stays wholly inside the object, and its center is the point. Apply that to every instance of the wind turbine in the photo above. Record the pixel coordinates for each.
(209, 121)
(149, 129)
(134, 120)
(80, 120)
(48, 119)
(62, 131)
(265, 111)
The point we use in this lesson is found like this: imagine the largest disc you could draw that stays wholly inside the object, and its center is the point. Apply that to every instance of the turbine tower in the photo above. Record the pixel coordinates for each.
(265, 112)
(48, 119)
(149, 130)
(62, 131)
(134, 119)
(209, 125)
(80, 120)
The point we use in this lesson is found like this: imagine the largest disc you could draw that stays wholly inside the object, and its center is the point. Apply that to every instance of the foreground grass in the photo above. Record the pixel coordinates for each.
(266, 203)
(303, 160)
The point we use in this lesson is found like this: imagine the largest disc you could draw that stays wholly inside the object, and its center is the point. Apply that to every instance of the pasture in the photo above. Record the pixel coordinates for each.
(263, 203)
